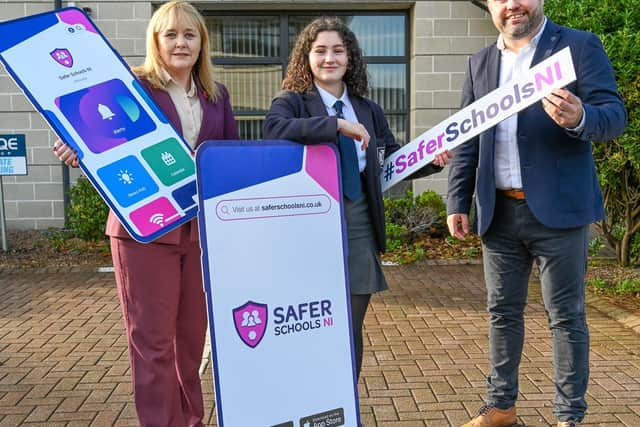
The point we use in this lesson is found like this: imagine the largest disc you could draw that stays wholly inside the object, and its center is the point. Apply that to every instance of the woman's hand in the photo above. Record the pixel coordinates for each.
(65, 153)
(355, 131)
(443, 158)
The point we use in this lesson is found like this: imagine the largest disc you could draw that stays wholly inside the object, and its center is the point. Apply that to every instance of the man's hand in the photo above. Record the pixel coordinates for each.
(458, 225)
(564, 108)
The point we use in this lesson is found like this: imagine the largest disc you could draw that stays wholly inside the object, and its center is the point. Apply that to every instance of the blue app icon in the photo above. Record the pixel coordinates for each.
(186, 196)
(128, 181)
(105, 115)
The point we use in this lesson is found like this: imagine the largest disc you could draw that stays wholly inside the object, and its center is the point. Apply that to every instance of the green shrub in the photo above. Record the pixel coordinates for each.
(628, 286)
(87, 214)
(416, 228)
(600, 286)
(617, 23)
(58, 238)
(407, 219)
(415, 215)
(396, 234)
(472, 252)
(432, 201)
(634, 251)
(596, 245)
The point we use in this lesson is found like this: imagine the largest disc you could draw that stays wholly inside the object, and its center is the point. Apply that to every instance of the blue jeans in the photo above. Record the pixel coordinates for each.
(513, 241)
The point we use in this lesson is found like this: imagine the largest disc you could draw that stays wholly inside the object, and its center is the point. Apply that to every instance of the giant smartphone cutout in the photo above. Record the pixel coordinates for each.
(274, 256)
(127, 148)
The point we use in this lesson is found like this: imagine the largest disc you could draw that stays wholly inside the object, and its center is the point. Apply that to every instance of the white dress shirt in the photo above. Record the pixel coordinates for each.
(506, 155)
(349, 115)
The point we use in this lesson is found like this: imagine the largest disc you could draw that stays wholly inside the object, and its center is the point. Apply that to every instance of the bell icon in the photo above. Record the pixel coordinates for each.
(105, 112)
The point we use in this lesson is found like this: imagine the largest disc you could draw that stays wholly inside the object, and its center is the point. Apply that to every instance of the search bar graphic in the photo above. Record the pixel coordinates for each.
(272, 207)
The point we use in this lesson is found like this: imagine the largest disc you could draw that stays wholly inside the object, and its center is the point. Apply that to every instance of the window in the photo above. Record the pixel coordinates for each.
(251, 53)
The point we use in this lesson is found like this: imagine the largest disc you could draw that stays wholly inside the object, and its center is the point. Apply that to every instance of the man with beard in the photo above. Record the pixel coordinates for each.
(536, 194)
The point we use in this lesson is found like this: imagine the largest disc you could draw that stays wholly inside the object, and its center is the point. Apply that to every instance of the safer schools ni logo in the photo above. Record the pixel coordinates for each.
(251, 319)
(62, 57)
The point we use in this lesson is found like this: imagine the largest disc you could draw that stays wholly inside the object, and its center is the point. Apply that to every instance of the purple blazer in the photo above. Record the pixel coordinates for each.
(217, 123)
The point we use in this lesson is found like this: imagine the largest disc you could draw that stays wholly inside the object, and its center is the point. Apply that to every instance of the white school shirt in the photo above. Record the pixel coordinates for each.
(349, 115)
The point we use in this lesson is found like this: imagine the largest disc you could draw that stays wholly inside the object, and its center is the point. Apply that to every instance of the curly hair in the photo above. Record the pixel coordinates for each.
(299, 78)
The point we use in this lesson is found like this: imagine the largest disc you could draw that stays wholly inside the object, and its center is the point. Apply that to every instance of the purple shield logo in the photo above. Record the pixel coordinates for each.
(250, 320)
(62, 57)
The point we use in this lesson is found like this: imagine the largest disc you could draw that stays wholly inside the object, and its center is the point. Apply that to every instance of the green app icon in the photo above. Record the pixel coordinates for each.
(169, 161)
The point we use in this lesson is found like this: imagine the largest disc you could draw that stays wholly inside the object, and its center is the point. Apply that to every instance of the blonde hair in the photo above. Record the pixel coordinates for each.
(151, 69)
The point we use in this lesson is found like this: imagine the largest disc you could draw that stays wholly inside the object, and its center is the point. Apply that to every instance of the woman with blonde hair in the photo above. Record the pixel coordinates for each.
(160, 283)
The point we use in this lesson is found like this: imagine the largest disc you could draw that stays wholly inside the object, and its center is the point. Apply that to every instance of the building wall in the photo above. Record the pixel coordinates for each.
(443, 33)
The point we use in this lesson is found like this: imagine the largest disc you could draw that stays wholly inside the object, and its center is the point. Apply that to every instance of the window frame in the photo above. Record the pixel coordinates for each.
(283, 59)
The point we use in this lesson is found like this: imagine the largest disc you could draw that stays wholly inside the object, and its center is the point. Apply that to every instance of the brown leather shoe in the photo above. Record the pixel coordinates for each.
(490, 416)
(569, 423)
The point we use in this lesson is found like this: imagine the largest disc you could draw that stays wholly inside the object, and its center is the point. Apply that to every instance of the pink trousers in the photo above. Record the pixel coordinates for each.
(163, 305)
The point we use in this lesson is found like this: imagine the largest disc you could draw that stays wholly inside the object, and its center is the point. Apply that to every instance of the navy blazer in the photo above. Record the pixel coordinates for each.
(558, 172)
(303, 118)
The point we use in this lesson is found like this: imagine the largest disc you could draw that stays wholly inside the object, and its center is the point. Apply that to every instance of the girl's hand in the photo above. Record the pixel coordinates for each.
(443, 158)
(355, 131)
